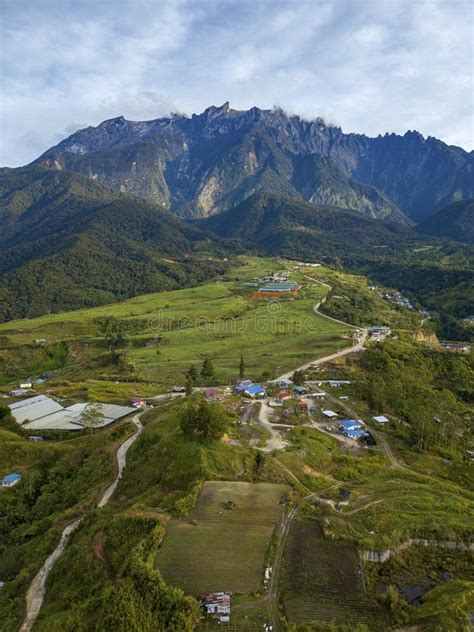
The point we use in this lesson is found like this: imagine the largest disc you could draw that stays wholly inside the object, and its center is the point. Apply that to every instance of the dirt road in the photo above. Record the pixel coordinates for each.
(275, 441)
(37, 589)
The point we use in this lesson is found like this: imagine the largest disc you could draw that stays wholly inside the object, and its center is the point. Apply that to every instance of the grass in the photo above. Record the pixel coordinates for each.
(222, 549)
(321, 580)
(168, 331)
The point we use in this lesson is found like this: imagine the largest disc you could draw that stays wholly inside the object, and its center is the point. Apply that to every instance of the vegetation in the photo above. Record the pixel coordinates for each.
(162, 334)
(429, 391)
(455, 221)
(321, 580)
(60, 481)
(202, 420)
(104, 581)
(224, 539)
(65, 255)
(436, 273)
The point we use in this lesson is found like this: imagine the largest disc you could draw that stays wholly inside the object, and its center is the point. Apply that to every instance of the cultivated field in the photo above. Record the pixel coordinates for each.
(222, 549)
(321, 580)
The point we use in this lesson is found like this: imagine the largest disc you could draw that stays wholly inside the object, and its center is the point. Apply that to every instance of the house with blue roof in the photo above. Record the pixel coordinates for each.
(349, 424)
(255, 390)
(11, 479)
(241, 385)
(355, 433)
(300, 390)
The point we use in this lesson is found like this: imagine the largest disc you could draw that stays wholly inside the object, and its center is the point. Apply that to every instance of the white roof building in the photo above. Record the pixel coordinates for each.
(44, 413)
(381, 419)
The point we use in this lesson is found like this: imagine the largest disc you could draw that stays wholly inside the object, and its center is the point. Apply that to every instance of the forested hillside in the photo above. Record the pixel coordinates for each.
(68, 242)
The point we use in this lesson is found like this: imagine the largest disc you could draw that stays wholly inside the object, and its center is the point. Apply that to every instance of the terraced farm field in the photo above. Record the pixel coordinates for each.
(222, 549)
(321, 580)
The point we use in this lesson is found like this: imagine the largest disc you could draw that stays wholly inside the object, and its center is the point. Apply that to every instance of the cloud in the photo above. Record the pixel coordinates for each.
(370, 66)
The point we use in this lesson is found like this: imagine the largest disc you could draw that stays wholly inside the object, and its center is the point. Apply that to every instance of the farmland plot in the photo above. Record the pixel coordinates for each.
(321, 580)
(218, 548)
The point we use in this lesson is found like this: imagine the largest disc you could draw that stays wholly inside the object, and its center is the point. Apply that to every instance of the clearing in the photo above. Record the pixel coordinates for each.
(321, 579)
(222, 549)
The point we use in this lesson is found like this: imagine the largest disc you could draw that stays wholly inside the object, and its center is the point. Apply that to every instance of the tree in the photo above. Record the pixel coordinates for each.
(112, 330)
(192, 374)
(207, 371)
(92, 415)
(298, 378)
(202, 420)
(189, 385)
(241, 367)
(259, 461)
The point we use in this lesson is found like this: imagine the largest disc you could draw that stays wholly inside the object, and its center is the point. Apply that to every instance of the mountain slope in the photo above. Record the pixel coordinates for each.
(284, 226)
(436, 273)
(210, 162)
(68, 242)
(455, 221)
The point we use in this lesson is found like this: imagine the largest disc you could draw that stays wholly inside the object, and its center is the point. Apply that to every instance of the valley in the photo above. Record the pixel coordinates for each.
(318, 488)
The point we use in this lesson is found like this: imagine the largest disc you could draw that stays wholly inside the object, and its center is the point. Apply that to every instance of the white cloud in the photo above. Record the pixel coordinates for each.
(370, 66)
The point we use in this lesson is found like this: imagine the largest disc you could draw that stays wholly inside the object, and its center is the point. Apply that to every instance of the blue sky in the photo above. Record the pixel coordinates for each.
(369, 66)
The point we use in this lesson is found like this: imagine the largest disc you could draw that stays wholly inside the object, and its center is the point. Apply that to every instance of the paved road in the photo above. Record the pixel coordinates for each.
(352, 349)
(36, 591)
(339, 354)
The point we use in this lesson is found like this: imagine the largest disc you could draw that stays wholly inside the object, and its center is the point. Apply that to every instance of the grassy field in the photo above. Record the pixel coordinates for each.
(168, 331)
(321, 580)
(222, 549)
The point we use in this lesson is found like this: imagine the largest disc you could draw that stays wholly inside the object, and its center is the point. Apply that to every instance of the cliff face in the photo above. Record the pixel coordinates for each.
(201, 165)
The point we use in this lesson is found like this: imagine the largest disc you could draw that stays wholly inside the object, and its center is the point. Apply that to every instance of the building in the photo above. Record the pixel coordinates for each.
(457, 347)
(283, 383)
(274, 402)
(381, 419)
(300, 390)
(338, 383)
(282, 395)
(255, 390)
(138, 402)
(280, 286)
(45, 413)
(210, 393)
(330, 414)
(349, 424)
(241, 385)
(355, 433)
(11, 479)
(36, 439)
(217, 605)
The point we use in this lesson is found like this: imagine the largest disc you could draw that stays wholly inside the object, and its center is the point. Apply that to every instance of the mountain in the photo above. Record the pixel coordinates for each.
(455, 221)
(68, 242)
(436, 273)
(207, 163)
(278, 225)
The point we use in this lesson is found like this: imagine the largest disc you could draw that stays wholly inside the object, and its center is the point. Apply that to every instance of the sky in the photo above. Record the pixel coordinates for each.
(369, 66)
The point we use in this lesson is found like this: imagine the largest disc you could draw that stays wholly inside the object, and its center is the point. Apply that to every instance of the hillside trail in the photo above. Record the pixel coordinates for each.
(37, 589)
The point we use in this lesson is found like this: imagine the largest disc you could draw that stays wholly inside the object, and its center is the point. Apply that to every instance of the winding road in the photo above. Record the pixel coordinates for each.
(37, 589)
(352, 349)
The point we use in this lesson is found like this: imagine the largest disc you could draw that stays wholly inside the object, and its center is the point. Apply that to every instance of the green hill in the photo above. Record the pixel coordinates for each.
(455, 221)
(68, 242)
